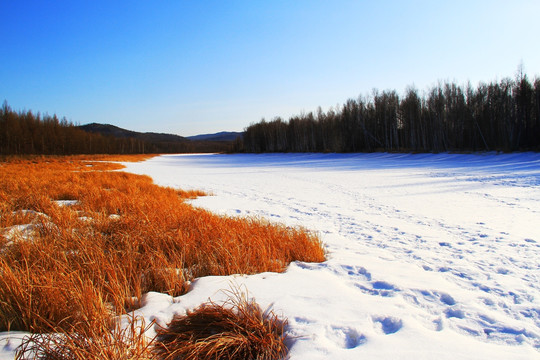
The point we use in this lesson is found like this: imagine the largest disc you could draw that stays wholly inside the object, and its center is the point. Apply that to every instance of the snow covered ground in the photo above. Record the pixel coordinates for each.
(429, 256)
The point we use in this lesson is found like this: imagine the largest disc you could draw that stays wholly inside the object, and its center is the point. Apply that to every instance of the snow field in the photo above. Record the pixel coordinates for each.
(428, 255)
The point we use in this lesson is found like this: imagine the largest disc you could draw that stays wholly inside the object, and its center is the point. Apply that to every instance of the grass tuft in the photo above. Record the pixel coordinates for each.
(237, 330)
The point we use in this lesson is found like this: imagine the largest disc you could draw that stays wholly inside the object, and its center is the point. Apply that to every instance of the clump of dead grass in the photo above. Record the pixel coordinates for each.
(236, 330)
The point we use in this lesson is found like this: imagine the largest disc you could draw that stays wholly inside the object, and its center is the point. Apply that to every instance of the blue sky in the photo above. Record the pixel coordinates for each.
(191, 67)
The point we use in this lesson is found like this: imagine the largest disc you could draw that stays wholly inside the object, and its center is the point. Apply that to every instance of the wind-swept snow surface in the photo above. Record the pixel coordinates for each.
(429, 256)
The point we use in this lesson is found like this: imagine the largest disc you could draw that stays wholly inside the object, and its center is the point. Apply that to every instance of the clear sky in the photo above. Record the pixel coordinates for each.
(192, 67)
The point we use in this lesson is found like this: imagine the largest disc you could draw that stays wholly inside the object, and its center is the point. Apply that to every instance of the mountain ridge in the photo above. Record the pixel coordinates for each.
(112, 130)
(219, 136)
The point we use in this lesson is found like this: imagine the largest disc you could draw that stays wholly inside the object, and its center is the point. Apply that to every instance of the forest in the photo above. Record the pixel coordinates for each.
(499, 116)
(26, 133)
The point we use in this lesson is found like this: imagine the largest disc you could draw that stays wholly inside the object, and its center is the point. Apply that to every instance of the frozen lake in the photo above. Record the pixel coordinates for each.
(428, 255)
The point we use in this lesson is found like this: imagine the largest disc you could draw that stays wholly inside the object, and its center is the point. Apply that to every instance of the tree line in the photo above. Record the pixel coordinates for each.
(26, 133)
(502, 116)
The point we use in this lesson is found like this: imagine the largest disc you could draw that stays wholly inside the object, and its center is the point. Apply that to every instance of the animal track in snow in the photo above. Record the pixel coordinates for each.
(382, 285)
(357, 271)
(346, 337)
(388, 325)
(378, 288)
(454, 313)
(447, 299)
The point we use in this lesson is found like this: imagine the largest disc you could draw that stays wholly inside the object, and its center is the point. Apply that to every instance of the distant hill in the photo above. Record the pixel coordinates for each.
(168, 143)
(111, 130)
(220, 136)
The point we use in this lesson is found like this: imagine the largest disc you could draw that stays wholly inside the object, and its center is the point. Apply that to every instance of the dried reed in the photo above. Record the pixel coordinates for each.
(85, 260)
(126, 343)
(237, 330)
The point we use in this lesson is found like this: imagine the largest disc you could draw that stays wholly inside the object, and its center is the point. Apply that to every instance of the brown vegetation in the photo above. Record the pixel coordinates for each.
(80, 244)
(97, 343)
(236, 330)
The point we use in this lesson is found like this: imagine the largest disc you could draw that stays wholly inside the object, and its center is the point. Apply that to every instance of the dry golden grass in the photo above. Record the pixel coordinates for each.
(85, 261)
(124, 343)
(236, 330)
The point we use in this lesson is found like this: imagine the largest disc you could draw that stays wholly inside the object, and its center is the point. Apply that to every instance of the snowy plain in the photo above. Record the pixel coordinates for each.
(429, 255)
